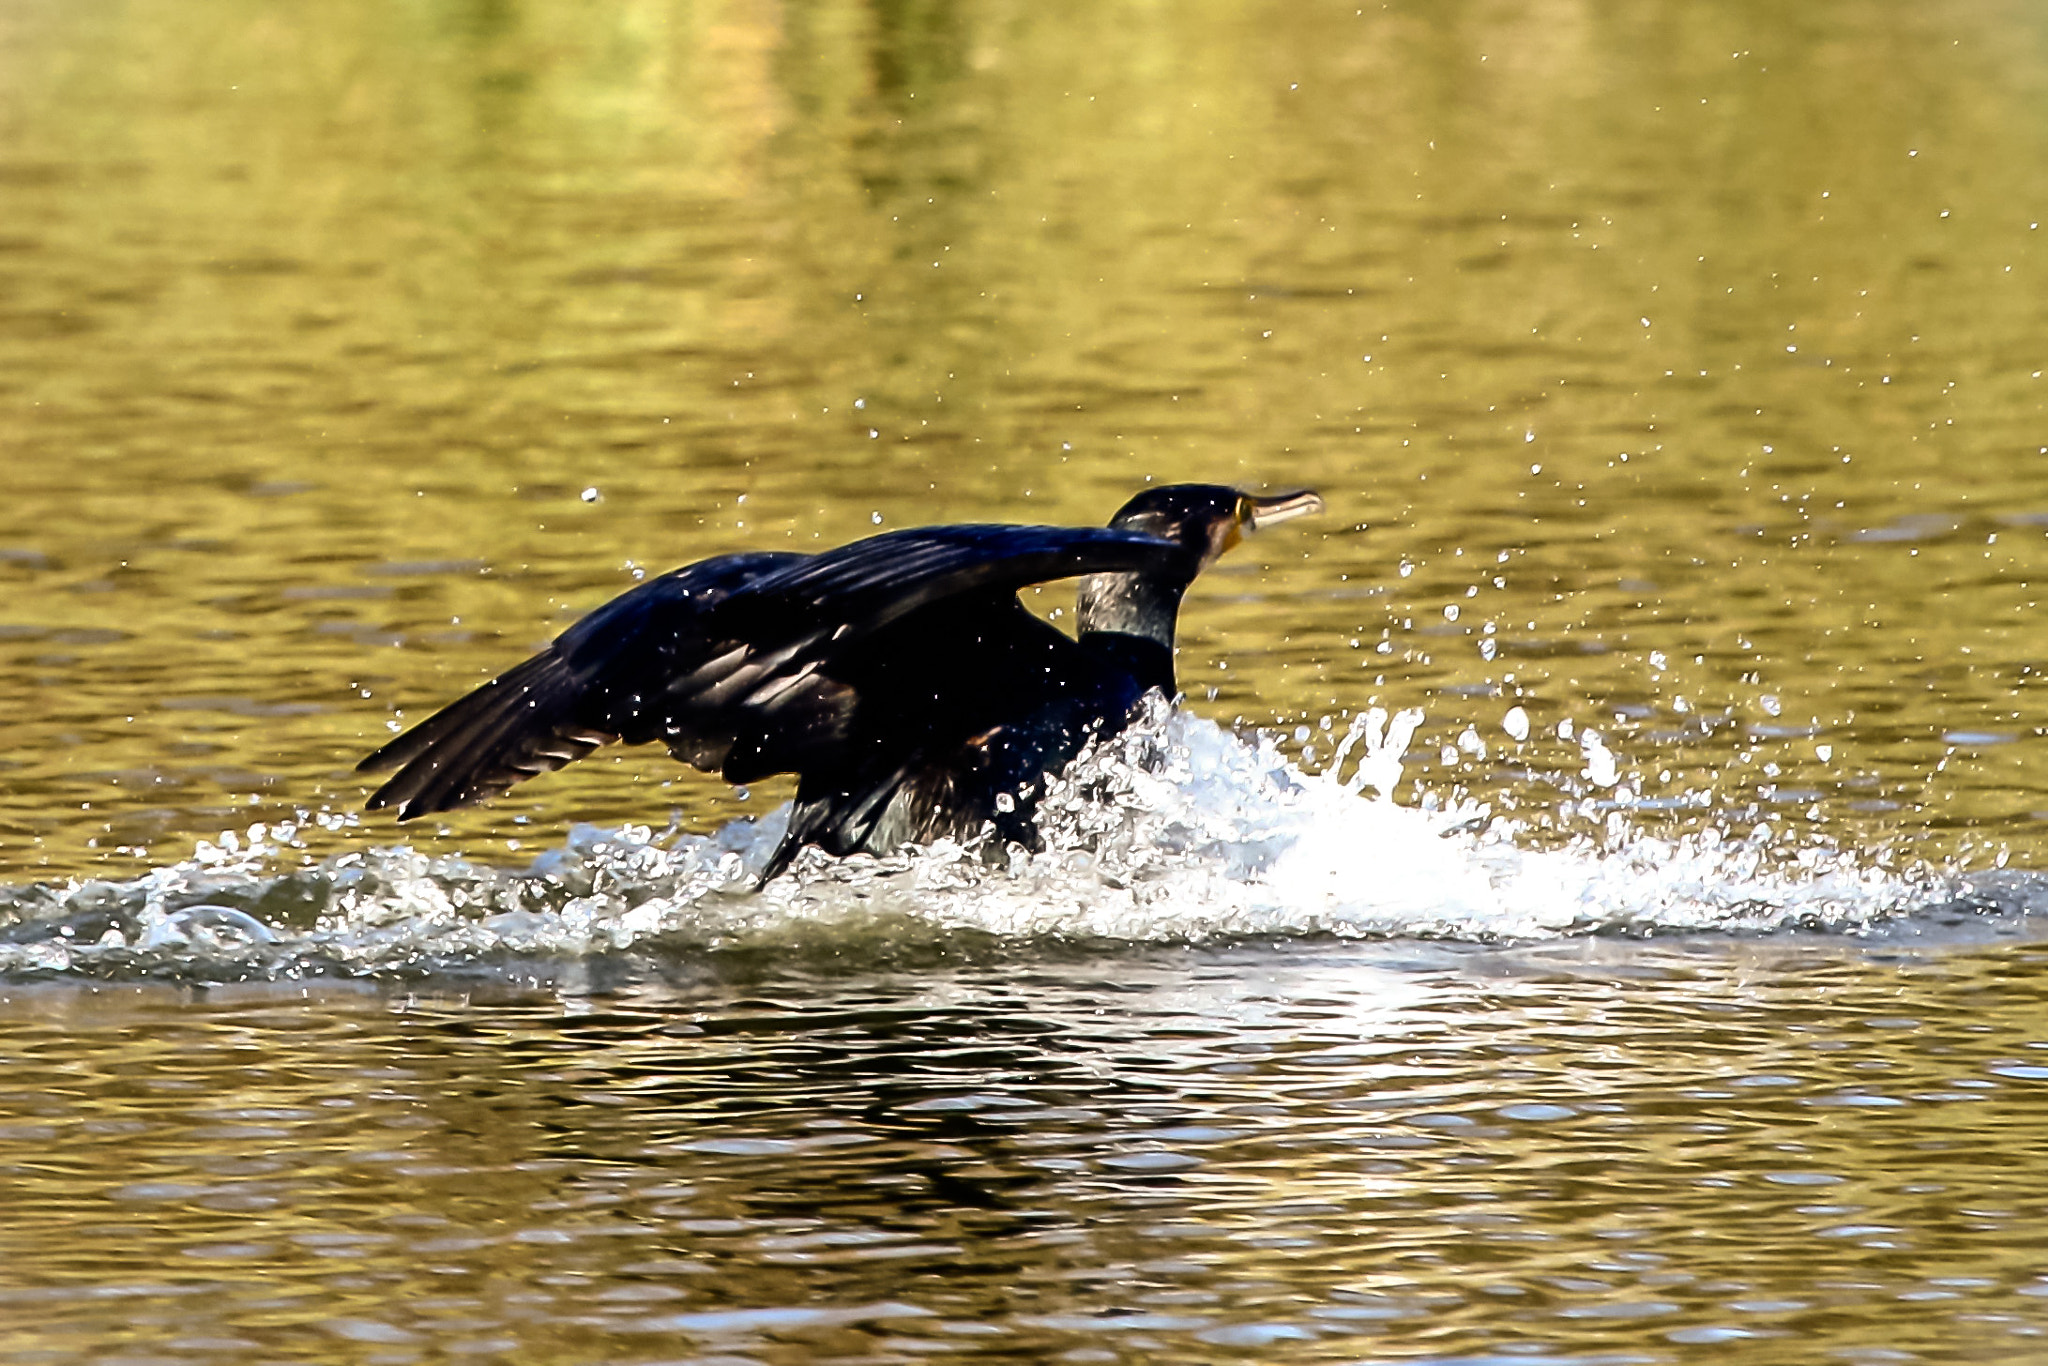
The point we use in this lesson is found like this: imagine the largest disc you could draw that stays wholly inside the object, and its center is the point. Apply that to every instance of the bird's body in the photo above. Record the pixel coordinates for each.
(898, 677)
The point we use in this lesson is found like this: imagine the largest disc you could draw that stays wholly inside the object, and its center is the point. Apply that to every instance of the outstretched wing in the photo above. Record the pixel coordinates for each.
(726, 659)
(588, 688)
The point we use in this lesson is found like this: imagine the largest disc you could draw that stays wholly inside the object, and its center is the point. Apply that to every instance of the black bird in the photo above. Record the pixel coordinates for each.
(898, 677)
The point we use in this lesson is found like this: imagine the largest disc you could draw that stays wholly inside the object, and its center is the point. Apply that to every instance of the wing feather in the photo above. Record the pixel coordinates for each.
(511, 728)
(728, 661)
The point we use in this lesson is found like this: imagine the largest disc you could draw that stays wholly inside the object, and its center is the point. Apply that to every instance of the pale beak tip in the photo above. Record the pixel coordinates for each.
(1284, 507)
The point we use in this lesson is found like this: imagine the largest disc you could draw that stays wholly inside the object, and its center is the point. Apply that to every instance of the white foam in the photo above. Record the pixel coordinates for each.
(1175, 831)
(1180, 830)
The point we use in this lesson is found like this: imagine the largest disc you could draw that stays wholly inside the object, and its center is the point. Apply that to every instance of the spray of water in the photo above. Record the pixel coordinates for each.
(1176, 830)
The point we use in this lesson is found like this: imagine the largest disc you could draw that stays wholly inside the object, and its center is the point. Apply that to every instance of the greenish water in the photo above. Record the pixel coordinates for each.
(1673, 373)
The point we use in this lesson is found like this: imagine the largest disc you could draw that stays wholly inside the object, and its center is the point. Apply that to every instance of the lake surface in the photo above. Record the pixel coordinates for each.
(1674, 986)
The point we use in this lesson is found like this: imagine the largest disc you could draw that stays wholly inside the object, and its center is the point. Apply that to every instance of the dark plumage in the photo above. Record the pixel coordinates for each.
(898, 677)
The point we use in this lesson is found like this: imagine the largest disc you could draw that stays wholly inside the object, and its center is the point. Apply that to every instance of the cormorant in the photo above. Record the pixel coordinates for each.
(898, 677)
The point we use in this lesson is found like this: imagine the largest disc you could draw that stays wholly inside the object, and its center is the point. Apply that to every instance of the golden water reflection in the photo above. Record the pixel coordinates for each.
(1701, 342)
(1767, 1153)
(1672, 370)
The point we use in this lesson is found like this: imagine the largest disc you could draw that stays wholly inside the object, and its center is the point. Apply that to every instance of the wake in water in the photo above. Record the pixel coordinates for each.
(1175, 831)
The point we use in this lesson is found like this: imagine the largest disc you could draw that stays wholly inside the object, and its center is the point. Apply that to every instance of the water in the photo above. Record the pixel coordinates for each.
(1176, 831)
(1582, 1151)
(1668, 986)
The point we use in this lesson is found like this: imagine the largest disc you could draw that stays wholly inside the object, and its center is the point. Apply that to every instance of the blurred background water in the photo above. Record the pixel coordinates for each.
(1674, 375)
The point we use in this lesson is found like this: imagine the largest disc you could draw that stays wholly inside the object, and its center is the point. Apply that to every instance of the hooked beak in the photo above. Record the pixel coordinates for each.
(1254, 513)
(1259, 513)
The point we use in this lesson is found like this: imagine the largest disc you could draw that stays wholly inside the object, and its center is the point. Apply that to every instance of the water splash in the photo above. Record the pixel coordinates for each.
(1176, 830)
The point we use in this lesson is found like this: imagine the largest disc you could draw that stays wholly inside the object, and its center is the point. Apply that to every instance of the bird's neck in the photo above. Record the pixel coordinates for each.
(1131, 617)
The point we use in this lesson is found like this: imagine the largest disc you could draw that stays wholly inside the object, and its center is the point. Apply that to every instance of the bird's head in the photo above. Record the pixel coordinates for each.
(1204, 520)
(1209, 519)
